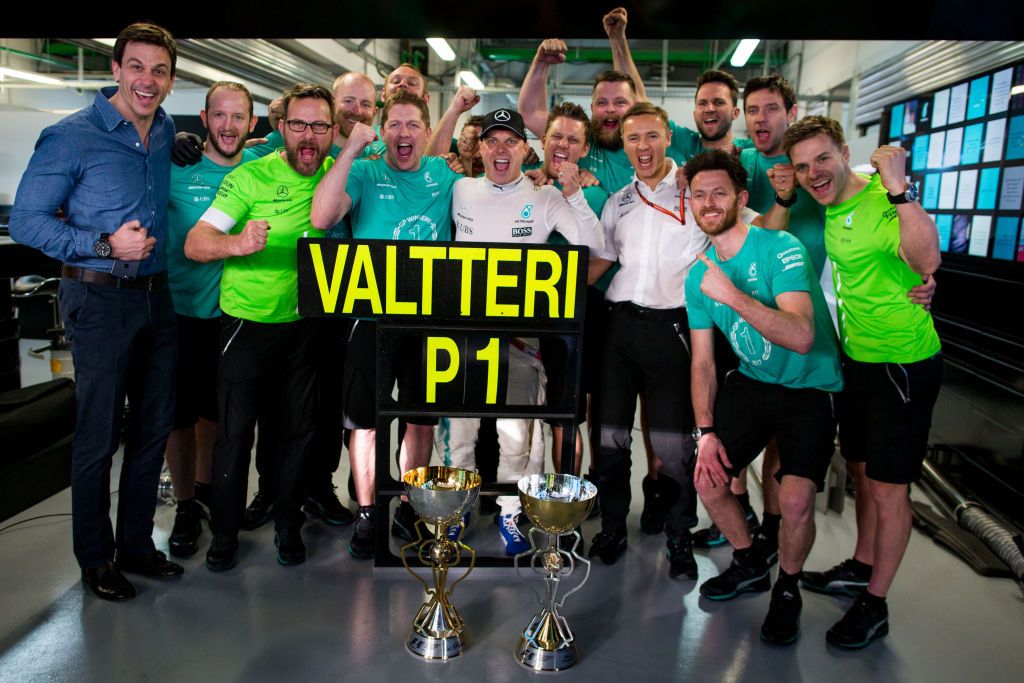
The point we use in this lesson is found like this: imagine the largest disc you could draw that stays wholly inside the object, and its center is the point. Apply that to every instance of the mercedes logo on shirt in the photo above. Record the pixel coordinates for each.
(502, 115)
(282, 191)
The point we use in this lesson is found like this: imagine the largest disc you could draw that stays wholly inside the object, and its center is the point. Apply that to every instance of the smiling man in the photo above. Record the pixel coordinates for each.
(266, 366)
(402, 196)
(108, 168)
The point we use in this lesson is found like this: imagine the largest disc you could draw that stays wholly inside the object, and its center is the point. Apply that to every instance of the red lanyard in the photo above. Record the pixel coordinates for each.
(681, 217)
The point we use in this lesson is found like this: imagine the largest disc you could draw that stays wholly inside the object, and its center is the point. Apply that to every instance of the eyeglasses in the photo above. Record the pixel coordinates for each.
(510, 143)
(299, 126)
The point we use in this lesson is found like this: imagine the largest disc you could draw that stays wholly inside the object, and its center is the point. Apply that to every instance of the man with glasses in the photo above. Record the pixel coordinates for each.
(402, 196)
(266, 367)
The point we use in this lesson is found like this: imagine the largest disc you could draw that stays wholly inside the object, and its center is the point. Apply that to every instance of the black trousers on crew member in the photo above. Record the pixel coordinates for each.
(330, 341)
(646, 351)
(266, 371)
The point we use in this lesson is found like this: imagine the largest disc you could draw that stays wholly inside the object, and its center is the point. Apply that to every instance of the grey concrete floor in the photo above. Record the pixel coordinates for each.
(333, 618)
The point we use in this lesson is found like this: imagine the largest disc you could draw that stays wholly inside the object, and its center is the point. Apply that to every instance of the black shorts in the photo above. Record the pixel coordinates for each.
(885, 413)
(748, 413)
(198, 350)
(359, 382)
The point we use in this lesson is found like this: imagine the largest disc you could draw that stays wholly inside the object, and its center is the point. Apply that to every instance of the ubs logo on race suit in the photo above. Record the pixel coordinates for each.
(748, 343)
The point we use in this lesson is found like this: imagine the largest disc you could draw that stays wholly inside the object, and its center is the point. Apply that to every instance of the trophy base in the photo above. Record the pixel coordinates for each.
(439, 649)
(539, 659)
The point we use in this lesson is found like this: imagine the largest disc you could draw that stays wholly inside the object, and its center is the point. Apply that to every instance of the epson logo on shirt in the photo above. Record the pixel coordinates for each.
(522, 232)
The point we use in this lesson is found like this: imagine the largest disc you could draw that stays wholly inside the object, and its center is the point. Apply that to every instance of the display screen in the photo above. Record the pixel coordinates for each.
(965, 145)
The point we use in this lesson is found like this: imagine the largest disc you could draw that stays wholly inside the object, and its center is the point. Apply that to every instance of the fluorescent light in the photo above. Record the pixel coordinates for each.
(1017, 90)
(471, 79)
(29, 76)
(442, 48)
(743, 51)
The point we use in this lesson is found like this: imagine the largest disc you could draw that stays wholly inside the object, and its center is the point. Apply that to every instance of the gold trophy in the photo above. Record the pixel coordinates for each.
(440, 496)
(556, 504)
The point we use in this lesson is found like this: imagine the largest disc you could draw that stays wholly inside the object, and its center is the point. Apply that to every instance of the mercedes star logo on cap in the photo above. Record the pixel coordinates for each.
(502, 115)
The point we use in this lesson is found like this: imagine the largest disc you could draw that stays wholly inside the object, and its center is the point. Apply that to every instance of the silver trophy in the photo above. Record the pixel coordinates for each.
(556, 504)
(440, 496)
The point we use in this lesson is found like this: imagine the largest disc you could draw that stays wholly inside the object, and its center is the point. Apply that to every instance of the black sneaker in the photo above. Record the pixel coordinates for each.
(222, 553)
(841, 579)
(204, 494)
(710, 537)
(767, 546)
(327, 507)
(184, 540)
(652, 518)
(861, 624)
(290, 548)
(404, 525)
(363, 545)
(680, 558)
(749, 577)
(259, 511)
(608, 546)
(782, 624)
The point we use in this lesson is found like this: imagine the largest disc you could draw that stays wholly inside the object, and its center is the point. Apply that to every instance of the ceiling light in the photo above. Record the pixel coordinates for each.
(29, 76)
(1017, 90)
(442, 48)
(471, 79)
(743, 51)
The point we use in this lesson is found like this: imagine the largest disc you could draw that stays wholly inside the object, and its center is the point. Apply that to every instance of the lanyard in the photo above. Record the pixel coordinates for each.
(681, 217)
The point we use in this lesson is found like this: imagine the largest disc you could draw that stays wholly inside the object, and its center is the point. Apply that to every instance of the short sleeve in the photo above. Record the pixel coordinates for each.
(696, 302)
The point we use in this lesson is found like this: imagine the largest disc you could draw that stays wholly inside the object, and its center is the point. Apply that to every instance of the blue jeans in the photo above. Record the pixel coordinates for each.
(123, 343)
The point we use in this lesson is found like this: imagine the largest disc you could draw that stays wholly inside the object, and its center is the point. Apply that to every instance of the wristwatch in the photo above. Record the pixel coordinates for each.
(701, 431)
(910, 195)
(102, 246)
(786, 203)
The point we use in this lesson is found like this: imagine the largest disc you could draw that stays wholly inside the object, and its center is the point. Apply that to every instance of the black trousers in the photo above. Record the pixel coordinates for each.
(266, 372)
(330, 340)
(646, 351)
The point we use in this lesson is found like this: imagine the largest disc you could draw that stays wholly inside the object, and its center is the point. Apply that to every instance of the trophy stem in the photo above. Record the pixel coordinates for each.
(438, 632)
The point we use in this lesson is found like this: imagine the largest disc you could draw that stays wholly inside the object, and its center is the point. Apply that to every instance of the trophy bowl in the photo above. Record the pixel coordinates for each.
(440, 496)
(556, 504)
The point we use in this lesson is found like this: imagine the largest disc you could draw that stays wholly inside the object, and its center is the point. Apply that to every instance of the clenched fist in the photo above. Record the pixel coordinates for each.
(569, 177)
(891, 163)
(131, 242)
(783, 180)
(615, 23)
(253, 237)
(360, 137)
(552, 51)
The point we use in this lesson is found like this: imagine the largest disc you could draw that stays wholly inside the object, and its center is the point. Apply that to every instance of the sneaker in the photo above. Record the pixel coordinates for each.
(608, 546)
(404, 526)
(680, 558)
(861, 624)
(222, 553)
(710, 537)
(184, 540)
(749, 577)
(515, 542)
(259, 511)
(454, 531)
(327, 507)
(652, 519)
(782, 624)
(768, 547)
(290, 548)
(841, 579)
(363, 545)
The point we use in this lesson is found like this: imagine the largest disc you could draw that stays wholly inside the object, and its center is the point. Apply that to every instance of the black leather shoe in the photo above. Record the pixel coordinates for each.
(326, 506)
(184, 540)
(680, 558)
(259, 511)
(107, 583)
(221, 555)
(154, 565)
(290, 548)
(608, 546)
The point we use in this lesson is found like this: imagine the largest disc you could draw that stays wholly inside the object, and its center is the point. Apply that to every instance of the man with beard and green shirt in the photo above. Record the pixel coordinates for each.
(402, 196)
(266, 368)
(195, 291)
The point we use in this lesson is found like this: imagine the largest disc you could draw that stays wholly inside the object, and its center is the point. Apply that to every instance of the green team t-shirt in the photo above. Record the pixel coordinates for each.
(806, 217)
(195, 287)
(401, 205)
(877, 322)
(769, 263)
(596, 196)
(687, 143)
(263, 286)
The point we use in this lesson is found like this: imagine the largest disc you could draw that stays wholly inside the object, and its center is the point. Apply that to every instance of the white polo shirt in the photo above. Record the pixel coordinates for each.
(655, 251)
(521, 213)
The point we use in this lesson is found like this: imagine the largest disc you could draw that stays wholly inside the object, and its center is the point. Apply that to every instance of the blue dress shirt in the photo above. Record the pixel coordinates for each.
(93, 165)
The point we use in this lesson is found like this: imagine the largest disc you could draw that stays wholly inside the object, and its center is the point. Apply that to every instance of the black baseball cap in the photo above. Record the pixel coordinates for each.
(509, 119)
